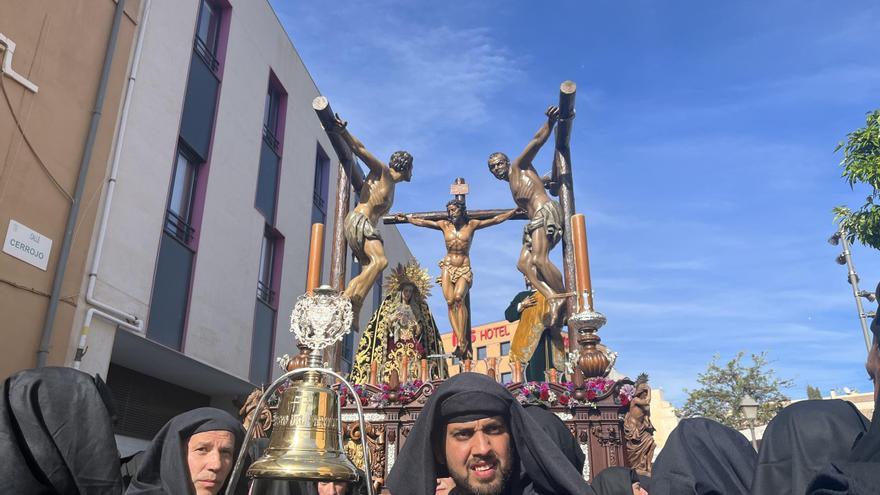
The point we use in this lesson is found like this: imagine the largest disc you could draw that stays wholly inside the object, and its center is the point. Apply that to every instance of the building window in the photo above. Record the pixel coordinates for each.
(377, 293)
(455, 360)
(321, 187)
(270, 116)
(208, 33)
(267, 264)
(180, 201)
(505, 348)
(355, 268)
(348, 351)
(506, 378)
(481, 353)
(265, 312)
(270, 151)
(261, 343)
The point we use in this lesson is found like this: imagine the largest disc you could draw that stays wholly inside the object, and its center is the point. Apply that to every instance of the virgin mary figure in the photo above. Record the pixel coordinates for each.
(402, 327)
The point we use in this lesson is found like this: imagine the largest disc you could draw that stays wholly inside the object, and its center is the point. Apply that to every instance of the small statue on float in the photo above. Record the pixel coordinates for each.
(638, 430)
(401, 331)
(530, 309)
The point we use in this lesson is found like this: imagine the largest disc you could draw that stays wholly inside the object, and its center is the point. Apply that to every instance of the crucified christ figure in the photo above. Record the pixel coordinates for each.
(546, 221)
(360, 226)
(456, 277)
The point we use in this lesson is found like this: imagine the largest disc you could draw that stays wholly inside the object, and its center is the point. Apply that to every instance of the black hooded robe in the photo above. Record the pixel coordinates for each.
(860, 473)
(560, 434)
(615, 481)
(56, 436)
(163, 468)
(703, 457)
(544, 469)
(800, 440)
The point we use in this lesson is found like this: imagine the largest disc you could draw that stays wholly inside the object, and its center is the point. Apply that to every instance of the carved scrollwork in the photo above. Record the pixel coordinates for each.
(375, 446)
(609, 438)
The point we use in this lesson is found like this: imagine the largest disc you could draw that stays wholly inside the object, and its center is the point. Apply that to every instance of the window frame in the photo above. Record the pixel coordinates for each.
(179, 223)
(208, 49)
(485, 353)
(501, 352)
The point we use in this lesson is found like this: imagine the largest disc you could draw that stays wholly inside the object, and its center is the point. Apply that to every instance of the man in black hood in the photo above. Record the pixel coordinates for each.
(474, 430)
(192, 454)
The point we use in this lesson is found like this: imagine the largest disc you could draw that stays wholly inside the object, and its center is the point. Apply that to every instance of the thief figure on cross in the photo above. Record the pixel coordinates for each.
(546, 221)
(456, 276)
(375, 199)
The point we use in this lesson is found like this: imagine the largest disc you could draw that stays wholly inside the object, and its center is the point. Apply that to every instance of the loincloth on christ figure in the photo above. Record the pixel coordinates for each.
(358, 229)
(549, 216)
(455, 272)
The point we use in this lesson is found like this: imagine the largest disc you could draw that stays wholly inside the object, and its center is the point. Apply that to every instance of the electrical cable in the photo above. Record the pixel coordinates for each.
(30, 145)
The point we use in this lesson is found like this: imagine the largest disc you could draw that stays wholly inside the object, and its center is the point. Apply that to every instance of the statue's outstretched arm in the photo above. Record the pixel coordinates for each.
(418, 222)
(357, 147)
(524, 160)
(496, 219)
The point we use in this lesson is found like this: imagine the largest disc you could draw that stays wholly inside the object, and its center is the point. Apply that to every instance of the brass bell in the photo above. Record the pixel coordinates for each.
(305, 442)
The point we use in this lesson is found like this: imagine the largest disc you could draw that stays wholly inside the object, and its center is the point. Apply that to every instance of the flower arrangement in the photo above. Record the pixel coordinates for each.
(567, 399)
(595, 387)
(536, 393)
(403, 394)
(363, 395)
(626, 394)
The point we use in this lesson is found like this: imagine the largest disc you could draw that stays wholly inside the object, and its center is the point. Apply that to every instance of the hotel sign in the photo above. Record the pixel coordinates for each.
(27, 245)
(487, 333)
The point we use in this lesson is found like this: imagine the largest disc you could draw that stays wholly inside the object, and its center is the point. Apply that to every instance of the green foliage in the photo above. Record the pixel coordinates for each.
(722, 387)
(813, 393)
(861, 164)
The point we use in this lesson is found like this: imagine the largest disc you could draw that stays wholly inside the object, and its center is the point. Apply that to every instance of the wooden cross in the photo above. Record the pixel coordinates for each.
(459, 190)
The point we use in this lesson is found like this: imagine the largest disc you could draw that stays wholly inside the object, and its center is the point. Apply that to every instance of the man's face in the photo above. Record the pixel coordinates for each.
(500, 167)
(479, 455)
(872, 365)
(453, 212)
(332, 488)
(209, 456)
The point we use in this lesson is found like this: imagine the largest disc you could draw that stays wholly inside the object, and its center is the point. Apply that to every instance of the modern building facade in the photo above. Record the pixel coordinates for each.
(196, 243)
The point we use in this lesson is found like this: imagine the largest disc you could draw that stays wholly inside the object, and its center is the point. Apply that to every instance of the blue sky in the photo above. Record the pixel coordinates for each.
(703, 151)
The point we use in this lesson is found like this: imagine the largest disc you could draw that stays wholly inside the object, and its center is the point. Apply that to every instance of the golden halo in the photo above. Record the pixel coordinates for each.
(411, 273)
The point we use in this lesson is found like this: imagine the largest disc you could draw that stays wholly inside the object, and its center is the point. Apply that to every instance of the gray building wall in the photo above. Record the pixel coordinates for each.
(217, 343)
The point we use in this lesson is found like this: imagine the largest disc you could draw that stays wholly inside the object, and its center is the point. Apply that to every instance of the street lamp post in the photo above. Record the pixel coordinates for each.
(845, 258)
(749, 408)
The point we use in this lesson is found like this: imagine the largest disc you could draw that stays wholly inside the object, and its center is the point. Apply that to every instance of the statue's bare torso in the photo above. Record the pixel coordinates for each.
(527, 188)
(458, 241)
(376, 196)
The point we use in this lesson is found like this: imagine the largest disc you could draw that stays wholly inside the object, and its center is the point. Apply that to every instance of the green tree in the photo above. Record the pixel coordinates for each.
(813, 393)
(861, 164)
(722, 387)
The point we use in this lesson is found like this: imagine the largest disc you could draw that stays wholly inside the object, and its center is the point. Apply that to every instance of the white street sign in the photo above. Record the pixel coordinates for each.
(27, 245)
